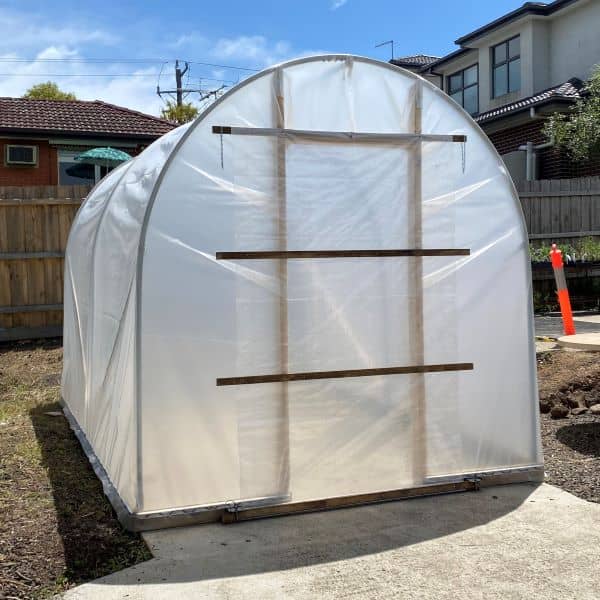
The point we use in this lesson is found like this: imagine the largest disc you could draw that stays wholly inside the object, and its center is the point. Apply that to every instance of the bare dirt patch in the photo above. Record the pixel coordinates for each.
(572, 443)
(56, 527)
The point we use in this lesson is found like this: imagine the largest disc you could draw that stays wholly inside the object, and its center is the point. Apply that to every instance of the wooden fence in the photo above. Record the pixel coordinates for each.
(34, 225)
(563, 210)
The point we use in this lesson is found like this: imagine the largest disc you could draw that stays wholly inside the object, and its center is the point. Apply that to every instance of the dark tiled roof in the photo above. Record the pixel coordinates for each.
(418, 60)
(569, 91)
(78, 117)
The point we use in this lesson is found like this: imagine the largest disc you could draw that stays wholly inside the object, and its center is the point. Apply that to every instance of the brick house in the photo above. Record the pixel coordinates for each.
(512, 73)
(39, 139)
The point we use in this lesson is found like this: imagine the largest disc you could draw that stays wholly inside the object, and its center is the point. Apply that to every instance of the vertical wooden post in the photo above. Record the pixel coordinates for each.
(283, 274)
(416, 333)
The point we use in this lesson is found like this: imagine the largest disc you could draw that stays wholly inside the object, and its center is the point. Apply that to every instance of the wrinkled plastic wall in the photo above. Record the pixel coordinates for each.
(202, 318)
(98, 382)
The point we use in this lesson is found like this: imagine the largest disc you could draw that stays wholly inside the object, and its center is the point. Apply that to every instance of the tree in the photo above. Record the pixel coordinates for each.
(578, 131)
(179, 113)
(48, 91)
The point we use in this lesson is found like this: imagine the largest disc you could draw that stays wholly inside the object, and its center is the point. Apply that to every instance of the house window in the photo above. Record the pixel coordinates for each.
(21, 155)
(506, 71)
(73, 172)
(464, 88)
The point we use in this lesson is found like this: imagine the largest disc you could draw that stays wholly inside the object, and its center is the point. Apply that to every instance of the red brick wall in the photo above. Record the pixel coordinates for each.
(553, 163)
(45, 173)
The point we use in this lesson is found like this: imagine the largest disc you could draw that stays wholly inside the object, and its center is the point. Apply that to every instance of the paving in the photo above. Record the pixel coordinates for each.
(589, 342)
(509, 542)
(552, 326)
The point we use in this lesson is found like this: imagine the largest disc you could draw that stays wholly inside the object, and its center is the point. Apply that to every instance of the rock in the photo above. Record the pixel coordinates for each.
(595, 410)
(559, 411)
(545, 406)
(579, 411)
(592, 400)
(576, 400)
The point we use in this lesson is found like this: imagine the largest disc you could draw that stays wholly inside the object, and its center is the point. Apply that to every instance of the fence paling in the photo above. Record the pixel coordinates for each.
(34, 226)
(561, 209)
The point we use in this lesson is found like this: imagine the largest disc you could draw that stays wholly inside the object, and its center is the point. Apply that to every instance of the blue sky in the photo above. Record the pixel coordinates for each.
(42, 40)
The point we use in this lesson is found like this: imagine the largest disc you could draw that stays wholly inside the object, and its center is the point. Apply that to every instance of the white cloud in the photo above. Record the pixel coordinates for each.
(38, 50)
(88, 81)
(189, 39)
(24, 31)
(335, 4)
(255, 51)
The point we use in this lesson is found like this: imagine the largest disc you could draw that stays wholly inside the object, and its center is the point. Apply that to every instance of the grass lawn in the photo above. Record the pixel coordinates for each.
(56, 527)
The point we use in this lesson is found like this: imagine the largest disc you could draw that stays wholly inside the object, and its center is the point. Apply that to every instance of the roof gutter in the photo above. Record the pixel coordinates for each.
(78, 134)
(529, 8)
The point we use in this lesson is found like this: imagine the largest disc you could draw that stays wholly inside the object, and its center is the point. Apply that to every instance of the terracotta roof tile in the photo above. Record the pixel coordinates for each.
(78, 117)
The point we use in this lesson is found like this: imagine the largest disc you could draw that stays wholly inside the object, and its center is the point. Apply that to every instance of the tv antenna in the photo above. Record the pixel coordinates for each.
(389, 42)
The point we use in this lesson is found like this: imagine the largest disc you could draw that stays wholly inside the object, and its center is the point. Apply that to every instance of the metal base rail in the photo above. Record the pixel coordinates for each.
(232, 512)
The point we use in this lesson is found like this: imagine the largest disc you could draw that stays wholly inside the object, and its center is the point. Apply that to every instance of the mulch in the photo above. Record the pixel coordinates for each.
(56, 527)
(571, 444)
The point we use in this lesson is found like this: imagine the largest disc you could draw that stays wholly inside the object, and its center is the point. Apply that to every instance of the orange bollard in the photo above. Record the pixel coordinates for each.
(562, 291)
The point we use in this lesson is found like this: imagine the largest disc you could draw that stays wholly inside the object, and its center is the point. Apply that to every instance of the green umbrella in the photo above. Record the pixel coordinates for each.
(105, 157)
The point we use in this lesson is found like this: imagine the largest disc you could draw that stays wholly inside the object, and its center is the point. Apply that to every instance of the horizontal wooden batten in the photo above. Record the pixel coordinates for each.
(29, 308)
(560, 194)
(246, 514)
(296, 254)
(339, 136)
(281, 377)
(30, 333)
(40, 201)
(30, 255)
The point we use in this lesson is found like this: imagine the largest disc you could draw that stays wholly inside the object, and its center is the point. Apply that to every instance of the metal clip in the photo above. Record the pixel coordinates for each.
(475, 480)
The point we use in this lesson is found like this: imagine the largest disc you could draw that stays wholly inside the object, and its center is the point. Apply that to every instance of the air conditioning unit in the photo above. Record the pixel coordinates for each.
(21, 155)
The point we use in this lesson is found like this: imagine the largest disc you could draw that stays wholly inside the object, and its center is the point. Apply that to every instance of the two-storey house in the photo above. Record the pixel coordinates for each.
(513, 72)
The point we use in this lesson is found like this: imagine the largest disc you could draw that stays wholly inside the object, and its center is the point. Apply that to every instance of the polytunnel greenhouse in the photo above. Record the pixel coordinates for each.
(316, 294)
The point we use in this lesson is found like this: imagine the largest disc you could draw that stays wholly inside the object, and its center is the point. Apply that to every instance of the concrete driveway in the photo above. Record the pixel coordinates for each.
(519, 541)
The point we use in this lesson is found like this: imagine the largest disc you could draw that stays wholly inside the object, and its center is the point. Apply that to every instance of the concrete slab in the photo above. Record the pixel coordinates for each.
(587, 319)
(590, 342)
(517, 541)
(545, 346)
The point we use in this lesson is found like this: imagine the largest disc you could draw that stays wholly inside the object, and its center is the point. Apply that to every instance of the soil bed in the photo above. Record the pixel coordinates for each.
(56, 527)
(571, 444)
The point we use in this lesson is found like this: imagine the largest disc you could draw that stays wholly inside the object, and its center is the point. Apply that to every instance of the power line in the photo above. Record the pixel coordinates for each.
(123, 61)
(80, 75)
(230, 81)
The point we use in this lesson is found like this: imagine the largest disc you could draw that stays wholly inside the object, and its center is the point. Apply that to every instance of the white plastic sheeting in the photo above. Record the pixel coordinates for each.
(153, 318)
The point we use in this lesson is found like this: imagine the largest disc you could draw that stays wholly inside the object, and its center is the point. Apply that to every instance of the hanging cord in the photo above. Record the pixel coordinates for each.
(463, 152)
(222, 167)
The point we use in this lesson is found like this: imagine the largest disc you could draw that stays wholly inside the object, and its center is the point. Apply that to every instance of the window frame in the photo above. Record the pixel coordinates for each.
(464, 87)
(506, 61)
(19, 163)
(68, 156)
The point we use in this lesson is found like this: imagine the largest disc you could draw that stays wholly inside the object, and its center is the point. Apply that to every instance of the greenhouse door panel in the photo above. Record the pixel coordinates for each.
(343, 409)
